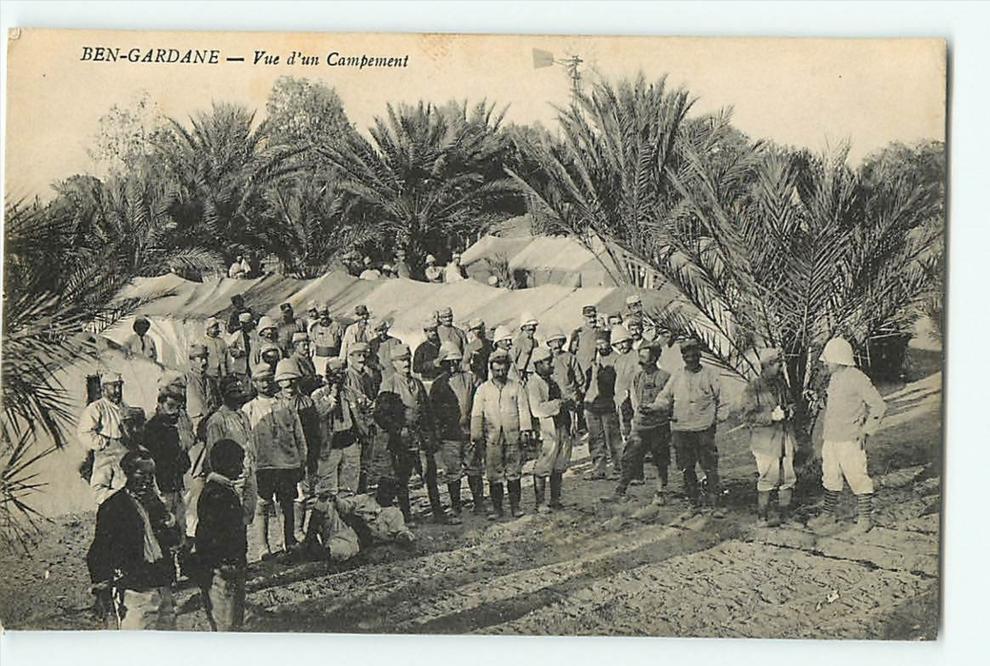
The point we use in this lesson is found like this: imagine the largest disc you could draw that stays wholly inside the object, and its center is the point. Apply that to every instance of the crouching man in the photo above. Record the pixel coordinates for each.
(128, 560)
(221, 538)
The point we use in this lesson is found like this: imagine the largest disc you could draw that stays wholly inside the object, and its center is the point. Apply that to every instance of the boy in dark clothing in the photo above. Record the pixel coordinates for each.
(221, 539)
(127, 561)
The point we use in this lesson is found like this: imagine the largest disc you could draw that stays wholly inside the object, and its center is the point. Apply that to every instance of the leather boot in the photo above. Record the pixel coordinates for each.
(362, 483)
(864, 518)
(454, 490)
(496, 490)
(762, 508)
(477, 487)
(784, 497)
(540, 490)
(289, 525)
(261, 521)
(313, 547)
(402, 495)
(515, 497)
(299, 522)
(556, 484)
(436, 506)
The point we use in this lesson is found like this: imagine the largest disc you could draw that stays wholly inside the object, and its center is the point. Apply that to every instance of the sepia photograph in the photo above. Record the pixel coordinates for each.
(382, 333)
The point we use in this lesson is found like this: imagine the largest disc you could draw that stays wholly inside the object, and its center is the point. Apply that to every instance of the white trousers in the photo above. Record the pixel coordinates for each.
(845, 460)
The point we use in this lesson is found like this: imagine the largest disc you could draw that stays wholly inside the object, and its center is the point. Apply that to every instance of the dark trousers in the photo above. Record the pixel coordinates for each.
(604, 439)
(693, 448)
(404, 461)
(656, 441)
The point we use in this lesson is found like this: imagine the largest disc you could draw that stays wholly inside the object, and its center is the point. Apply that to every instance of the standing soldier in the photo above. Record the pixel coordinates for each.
(380, 350)
(650, 431)
(103, 431)
(478, 349)
(765, 408)
(278, 440)
(426, 360)
(448, 332)
(161, 439)
(566, 372)
(452, 396)
(202, 391)
(229, 422)
(326, 336)
(356, 332)
(604, 438)
(553, 416)
(635, 327)
(240, 348)
(693, 397)
(853, 411)
(626, 366)
(339, 451)
(524, 344)
(634, 307)
(219, 366)
(301, 355)
(361, 384)
(312, 316)
(401, 265)
(501, 423)
(141, 344)
(583, 339)
(267, 334)
(433, 272)
(237, 308)
(288, 378)
(454, 272)
(288, 326)
(413, 437)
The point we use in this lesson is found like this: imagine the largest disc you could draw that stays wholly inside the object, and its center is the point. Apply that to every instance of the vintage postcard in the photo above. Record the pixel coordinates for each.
(448, 334)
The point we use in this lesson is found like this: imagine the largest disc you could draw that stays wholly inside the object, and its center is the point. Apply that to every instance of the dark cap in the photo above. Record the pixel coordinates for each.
(589, 310)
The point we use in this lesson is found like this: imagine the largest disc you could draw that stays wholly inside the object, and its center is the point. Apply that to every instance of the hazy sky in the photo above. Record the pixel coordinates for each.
(805, 92)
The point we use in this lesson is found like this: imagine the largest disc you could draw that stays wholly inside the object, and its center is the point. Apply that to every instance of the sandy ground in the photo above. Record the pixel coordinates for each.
(593, 568)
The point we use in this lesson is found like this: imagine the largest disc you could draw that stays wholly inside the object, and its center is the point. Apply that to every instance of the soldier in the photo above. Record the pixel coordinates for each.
(412, 436)
(452, 396)
(270, 354)
(604, 438)
(219, 363)
(102, 429)
(380, 350)
(128, 561)
(287, 327)
(237, 308)
(357, 332)
(401, 265)
(477, 351)
(566, 371)
(501, 423)
(339, 452)
(312, 316)
(229, 422)
(202, 399)
(634, 307)
(583, 338)
(267, 333)
(766, 410)
(693, 398)
(553, 416)
(362, 383)
(161, 439)
(448, 332)
(524, 344)
(426, 360)
(635, 327)
(141, 344)
(454, 272)
(626, 366)
(650, 431)
(433, 272)
(326, 335)
(301, 355)
(241, 347)
(278, 439)
(288, 378)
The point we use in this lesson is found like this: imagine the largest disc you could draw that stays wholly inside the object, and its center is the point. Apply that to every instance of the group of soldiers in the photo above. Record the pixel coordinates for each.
(332, 422)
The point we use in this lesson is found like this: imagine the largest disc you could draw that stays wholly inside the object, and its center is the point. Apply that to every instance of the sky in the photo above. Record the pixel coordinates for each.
(812, 93)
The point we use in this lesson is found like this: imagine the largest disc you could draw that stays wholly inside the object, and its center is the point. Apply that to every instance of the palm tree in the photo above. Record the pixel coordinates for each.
(220, 170)
(428, 176)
